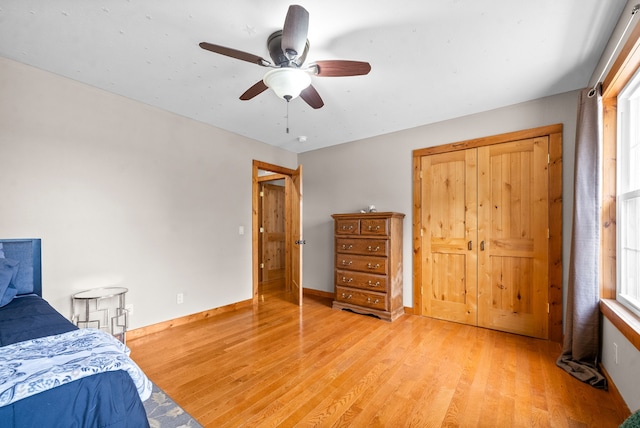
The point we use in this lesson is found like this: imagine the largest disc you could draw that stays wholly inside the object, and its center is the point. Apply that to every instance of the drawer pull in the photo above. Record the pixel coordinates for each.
(370, 248)
(375, 301)
(374, 228)
(374, 284)
(345, 227)
(370, 266)
(347, 247)
(346, 263)
(345, 296)
(344, 279)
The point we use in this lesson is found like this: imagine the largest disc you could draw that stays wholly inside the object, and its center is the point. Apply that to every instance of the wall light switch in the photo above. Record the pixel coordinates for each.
(241, 230)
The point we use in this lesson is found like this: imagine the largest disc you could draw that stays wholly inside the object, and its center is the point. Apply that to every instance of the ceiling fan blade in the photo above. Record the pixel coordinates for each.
(338, 68)
(312, 97)
(294, 32)
(233, 53)
(256, 89)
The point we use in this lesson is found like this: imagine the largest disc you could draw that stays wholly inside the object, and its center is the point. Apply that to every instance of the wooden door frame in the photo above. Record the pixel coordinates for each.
(554, 132)
(280, 172)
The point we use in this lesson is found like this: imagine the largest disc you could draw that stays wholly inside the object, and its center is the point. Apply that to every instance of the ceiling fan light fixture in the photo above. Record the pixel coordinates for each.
(287, 83)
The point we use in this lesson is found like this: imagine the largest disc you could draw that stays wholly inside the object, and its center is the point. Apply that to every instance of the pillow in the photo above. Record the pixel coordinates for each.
(8, 273)
(1, 251)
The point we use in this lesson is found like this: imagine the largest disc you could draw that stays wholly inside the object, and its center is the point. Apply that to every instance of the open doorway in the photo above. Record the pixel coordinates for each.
(277, 230)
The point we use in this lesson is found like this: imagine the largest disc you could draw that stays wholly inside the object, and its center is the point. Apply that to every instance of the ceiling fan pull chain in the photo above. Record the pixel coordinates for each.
(288, 98)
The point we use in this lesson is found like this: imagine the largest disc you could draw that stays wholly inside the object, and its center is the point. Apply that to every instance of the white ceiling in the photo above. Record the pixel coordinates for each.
(431, 59)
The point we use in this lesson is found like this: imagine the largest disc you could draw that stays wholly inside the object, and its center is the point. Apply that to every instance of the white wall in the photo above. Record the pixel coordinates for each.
(378, 171)
(124, 194)
(625, 372)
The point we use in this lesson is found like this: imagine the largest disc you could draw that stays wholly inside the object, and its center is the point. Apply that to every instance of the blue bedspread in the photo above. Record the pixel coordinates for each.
(30, 367)
(103, 400)
(30, 317)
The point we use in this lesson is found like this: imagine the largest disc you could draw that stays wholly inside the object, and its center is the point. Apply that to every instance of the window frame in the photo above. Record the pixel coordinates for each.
(626, 64)
(628, 133)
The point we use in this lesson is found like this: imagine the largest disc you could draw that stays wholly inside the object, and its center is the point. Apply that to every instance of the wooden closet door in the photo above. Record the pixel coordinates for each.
(449, 236)
(513, 227)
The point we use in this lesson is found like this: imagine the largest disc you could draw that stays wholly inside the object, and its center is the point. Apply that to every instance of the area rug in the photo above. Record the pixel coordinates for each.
(163, 412)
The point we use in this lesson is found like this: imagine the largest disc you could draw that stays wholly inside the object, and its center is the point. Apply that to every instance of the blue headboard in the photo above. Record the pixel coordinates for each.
(28, 253)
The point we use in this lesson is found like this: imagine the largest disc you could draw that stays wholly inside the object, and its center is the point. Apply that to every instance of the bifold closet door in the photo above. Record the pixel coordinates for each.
(513, 229)
(449, 239)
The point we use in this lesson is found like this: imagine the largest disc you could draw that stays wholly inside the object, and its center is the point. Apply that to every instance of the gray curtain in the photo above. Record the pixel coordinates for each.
(582, 321)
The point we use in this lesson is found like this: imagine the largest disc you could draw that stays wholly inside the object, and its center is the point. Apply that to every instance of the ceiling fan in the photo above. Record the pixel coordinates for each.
(288, 49)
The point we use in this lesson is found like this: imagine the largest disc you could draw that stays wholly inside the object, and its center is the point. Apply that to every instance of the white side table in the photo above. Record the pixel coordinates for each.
(102, 308)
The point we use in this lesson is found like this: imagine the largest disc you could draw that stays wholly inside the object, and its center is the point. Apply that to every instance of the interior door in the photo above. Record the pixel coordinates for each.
(262, 172)
(272, 233)
(449, 286)
(297, 241)
(513, 221)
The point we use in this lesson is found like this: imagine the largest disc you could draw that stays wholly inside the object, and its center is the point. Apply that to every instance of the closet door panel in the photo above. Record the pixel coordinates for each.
(448, 189)
(513, 231)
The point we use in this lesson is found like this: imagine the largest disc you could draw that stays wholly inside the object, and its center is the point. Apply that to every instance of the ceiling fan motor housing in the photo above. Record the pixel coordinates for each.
(279, 57)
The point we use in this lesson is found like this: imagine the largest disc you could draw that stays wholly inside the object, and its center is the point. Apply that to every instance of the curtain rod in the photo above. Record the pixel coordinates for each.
(593, 90)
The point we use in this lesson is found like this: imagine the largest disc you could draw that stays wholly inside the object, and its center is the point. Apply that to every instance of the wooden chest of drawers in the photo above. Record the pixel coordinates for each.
(368, 264)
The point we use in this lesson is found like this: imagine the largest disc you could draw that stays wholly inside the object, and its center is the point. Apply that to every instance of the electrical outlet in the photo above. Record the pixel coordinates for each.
(615, 352)
(180, 298)
(129, 309)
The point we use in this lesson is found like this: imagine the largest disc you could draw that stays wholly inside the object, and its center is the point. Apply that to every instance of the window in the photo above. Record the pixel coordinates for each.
(628, 196)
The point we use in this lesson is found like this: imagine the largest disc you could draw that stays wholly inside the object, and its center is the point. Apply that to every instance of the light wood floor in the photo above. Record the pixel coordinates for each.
(280, 365)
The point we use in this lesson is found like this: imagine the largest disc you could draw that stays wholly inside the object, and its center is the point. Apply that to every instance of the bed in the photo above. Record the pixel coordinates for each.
(95, 386)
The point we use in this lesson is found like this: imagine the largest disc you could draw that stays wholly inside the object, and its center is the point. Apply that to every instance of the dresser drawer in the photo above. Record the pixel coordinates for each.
(361, 298)
(361, 280)
(348, 227)
(376, 247)
(361, 263)
(374, 226)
